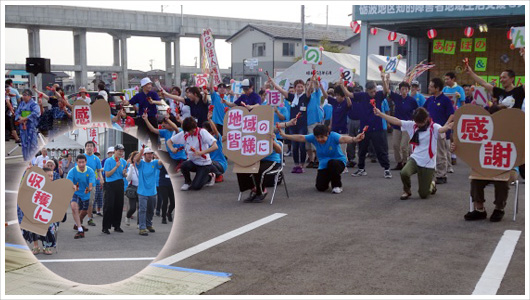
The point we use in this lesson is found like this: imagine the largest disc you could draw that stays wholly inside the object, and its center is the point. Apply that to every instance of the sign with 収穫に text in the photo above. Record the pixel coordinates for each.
(42, 200)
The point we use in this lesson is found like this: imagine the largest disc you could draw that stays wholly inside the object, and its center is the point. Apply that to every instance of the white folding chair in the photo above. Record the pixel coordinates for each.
(515, 201)
(276, 173)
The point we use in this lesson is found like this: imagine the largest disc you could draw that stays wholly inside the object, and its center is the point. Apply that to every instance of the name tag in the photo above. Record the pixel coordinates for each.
(303, 108)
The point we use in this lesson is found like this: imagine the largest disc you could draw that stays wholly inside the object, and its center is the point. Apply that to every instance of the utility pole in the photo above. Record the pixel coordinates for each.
(327, 7)
(151, 63)
(303, 31)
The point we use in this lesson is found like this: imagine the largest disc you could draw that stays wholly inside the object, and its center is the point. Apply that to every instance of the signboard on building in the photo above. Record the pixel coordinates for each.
(414, 12)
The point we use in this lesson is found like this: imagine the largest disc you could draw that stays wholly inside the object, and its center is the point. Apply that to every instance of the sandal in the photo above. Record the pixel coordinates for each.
(35, 250)
(48, 251)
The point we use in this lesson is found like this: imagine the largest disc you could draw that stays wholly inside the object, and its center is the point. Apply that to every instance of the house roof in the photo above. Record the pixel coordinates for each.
(282, 32)
(17, 72)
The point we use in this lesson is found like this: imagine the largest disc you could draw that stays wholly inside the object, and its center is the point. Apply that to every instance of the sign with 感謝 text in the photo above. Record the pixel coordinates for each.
(95, 115)
(209, 50)
(487, 142)
(42, 200)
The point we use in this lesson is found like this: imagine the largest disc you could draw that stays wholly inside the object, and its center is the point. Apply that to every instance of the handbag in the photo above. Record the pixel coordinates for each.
(130, 191)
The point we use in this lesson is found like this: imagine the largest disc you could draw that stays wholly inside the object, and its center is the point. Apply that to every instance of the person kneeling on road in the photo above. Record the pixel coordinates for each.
(332, 160)
(424, 133)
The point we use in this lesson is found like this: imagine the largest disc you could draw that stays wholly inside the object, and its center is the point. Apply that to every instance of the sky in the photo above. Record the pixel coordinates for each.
(99, 45)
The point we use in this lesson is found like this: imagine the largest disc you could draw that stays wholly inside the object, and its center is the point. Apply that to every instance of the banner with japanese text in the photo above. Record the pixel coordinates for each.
(95, 115)
(209, 50)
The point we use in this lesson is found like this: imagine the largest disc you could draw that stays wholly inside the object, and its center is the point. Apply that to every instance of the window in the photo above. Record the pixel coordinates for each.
(384, 50)
(258, 49)
(25, 76)
(10, 76)
(288, 49)
(402, 50)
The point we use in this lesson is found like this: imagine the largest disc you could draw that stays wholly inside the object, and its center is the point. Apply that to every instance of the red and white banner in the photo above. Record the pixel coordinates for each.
(209, 50)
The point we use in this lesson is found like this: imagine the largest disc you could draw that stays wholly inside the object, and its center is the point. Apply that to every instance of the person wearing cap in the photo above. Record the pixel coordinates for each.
(147, 101)
(195, 100)
(416, 94)
(218, 101)
(404, 106)
(95, 164)
(198, 143)
(27, 115)
(249, 98)
(83, 95)
(147, 194)
(115, 172)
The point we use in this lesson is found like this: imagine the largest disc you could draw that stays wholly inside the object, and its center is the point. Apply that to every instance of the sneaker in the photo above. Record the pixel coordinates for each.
(288, 153)
(398, 167)
(250, 198)
(144, 232)
(450, 170)
(476, 215)
(260, 198)
(105, 231)
(433, 188)
(151, 228)
(219, 179)
(336, 190)
(84, 228)
(405, 196)
(128, 221)
(497, 215)
(79, 235)
(388, 174)
(212, 180)
(441, 180)
(118, 229)
(164, 221)
(296, 169)
(359, 172)
(185, 187)
(91, 222)
(345, 171)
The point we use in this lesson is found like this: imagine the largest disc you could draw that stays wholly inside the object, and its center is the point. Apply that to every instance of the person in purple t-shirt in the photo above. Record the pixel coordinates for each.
(249, 98)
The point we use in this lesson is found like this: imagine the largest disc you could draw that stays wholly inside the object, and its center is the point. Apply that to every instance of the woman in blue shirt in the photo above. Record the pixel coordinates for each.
(332, 160)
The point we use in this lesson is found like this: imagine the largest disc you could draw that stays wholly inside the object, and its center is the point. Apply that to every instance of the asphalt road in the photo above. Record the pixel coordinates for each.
(364, 241)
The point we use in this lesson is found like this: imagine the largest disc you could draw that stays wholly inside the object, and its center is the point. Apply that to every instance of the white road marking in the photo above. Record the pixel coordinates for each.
(490, 280)
(96, 259)
(218, 240)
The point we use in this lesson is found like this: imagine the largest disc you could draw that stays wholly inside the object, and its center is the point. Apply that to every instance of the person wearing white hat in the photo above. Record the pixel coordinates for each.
(249, 98)
(147, 101)
(146, 191)
(83, 95)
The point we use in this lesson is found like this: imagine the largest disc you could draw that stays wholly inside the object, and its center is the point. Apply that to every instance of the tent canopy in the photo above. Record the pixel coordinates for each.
(62, 142)
(332, 62)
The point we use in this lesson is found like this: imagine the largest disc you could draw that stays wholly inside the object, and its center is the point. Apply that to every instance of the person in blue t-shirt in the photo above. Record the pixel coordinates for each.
(375, 133)
(84, 180)
(219, 98)
(116, 172)
(332, 160)
(219, 163)
(451, 87)
(147, 177)
(404, 107)
(416, 94)
(170, 129)
(94, 163)
(147, 101)
(441, 110)
(314, 118)
(256, 182)
(299, 102)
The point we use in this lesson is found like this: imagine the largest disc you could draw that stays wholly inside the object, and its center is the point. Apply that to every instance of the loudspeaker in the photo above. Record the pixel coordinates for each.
(36, 65)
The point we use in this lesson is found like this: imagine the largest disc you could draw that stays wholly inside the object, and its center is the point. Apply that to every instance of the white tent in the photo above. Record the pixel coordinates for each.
(332, 62)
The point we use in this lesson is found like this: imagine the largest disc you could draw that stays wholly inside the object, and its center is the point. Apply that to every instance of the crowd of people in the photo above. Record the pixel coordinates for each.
(329, 129)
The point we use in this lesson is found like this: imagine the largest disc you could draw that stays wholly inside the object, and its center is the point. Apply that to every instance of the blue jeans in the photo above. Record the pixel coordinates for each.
(146, 211)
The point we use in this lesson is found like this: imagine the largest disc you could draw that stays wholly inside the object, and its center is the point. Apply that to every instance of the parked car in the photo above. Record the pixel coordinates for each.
(114, 99)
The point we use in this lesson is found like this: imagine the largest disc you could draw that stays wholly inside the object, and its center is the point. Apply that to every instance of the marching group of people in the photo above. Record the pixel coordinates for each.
(321, 128)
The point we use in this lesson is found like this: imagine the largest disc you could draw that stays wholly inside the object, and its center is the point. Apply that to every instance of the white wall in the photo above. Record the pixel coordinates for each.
(242, 46)
(375, 41)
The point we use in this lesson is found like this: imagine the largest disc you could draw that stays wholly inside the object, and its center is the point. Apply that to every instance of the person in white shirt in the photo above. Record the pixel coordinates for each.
(424, 133)
(102, 92)
(132, 179)
(198, 143)
(83, 95)
(40, 161)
